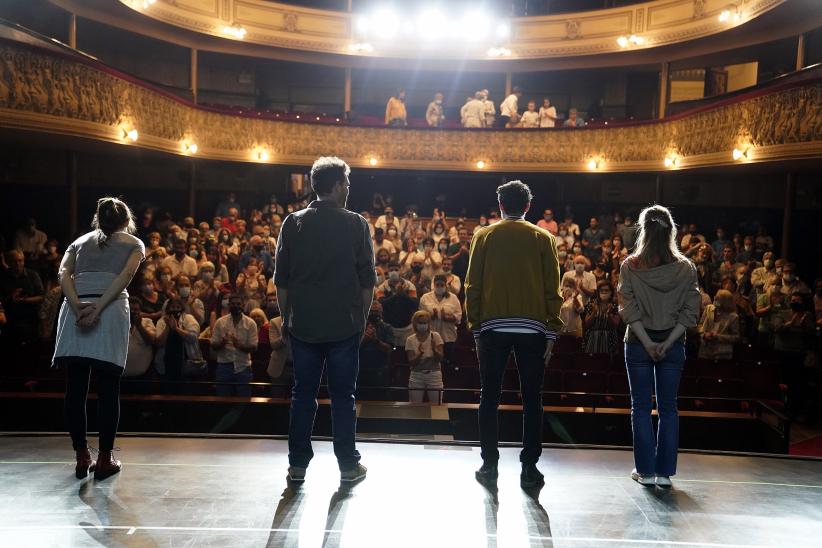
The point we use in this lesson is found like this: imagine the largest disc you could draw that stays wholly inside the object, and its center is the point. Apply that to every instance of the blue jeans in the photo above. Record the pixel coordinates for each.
(654, 456)
(225, 373)
(342, 359)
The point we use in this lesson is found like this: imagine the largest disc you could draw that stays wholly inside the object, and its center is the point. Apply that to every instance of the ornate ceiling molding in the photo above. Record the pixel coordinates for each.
(58, 94)
(657, 23)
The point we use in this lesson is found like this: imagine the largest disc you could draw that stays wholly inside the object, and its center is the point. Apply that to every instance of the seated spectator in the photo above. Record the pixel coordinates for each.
(192, 305)
(579, 279)
(791, 283)
(446, 314)
(425, 354)
(618, 252)
(602, 270)
(30, 241)
(719, 328)
(570, 312)
(281, 363)
(442, 248)
(176, 342)
(392, 234)
(564, 237)
(702, 256)
(398, 309)
(257, 253)
(386, 219)
(566, 262)
(164, 282)
(691, 238)
(381, 244)
(180, 262)
(574, 119)
(627, 231)
(140, 341)
(234, 337)
(417, 275)
(459, 253)
(375, 349)
(218, 259)
(50, 307)
(452, 281)
(22, 292)
(252, 286)
(601, 322)
(393, 280)
(439, 232)
(154, 250)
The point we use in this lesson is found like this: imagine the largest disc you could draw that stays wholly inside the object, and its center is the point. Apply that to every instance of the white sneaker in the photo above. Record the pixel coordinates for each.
(663, 481)
(640, 479)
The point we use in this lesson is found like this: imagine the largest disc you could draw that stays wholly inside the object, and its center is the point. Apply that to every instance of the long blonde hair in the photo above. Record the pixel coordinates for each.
(656, 239)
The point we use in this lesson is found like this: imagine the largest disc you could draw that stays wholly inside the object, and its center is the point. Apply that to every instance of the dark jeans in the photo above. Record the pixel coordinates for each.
(654, 456)
(226, 376)
(501, 121)
(341, 359)
(107, 376)
(493, 349)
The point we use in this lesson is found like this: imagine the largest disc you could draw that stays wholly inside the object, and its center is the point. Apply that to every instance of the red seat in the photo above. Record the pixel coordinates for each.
(584, 381)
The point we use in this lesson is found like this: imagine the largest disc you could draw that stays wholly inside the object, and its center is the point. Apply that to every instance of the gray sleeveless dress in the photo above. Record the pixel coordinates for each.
(95, 269)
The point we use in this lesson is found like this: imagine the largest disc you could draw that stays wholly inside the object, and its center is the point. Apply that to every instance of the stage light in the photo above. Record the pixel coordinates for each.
(385, 24)
(593, 164)
(481, 165)
(298, 117)
(475, 26)
(190, 148)
(338, 119)
(130, 134)
(372, 161)
(622, 41)
(636, 40)
(148, 3)
(671, 161)
(740, 154)
(318, 118)
(432, 25)
(363, 24)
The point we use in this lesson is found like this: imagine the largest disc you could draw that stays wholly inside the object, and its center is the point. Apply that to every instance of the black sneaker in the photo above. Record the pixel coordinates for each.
(530, 476)
(296, 474)
(487, 473)
(354, 474)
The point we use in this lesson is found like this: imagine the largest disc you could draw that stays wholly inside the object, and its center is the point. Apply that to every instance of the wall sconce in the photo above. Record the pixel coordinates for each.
(261, 155)
(148, 3)
(235, 31)
(593, 164)
(481, 164)
(633, 40)
(190, 148)
(671, 161)
(740, 154)
(731, 14)
(131, 134)
(372, 161)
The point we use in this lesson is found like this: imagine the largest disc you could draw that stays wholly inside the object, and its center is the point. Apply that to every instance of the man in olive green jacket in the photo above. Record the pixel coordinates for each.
(512, 303)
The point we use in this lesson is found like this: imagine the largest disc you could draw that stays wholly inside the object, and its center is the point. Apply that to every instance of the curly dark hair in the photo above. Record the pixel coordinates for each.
(112, 214)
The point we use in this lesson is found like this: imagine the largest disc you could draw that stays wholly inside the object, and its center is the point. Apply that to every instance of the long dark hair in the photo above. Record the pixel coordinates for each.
(656, 239)
(112, 214)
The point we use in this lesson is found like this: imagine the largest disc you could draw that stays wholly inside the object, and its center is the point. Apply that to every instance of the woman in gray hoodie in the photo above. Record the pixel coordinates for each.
(658, 300)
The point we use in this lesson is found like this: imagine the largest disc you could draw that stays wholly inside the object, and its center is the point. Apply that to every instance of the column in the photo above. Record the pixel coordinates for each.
(71, 182)
(664, 77)
(347, 97)
(508, 86)
(787, 216)
(658, 189)
(800, 52)
(192, 189)
(193, 75)
(72, 34)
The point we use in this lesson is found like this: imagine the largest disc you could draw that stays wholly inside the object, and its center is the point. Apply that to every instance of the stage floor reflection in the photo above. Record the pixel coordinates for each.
(233, 492)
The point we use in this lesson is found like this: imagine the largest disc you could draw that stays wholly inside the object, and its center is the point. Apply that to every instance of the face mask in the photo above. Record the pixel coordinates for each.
(185, 292)
(147, 289)
(235, 310)
(194, 253)
(788, 278)
(224, 304)
(272, 310)
(577, 250)
(562, 254)
(177, 313)
(438, 102)
(393, 275)
(422, 328)
(392, 233)
(768, 263)
(748, 247)
(416, 269)
(549, 217)
(796, 306)
(208, 276)
(224, 238)
(439, 291)
(563, 232)
(164, 277)
(580, 268)
(779, 270)
(438, 230)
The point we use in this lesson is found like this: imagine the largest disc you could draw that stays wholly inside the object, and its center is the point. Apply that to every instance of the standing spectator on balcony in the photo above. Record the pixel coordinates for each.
(548, 223)
(490, 110)
(425, 354)
(592, 239)
(386, 220)
(659, 300)
(601, 320)
(547, 114)
(180, 262)
(513, 304)
(719, 328)
(508, 109)
(324, 300)
(224, 207)
(435, 115)
(574, 120)
(22, 292)
(791, 283)
(473, 112)
(446, 314)
(530, 118)
(140, 341)
(395, 114)
(234, 337)
(30, 240)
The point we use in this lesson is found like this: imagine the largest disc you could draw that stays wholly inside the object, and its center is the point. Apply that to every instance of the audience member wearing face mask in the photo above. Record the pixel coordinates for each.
(446, 313)
(425, 351)
(176, 343)
(719, 328)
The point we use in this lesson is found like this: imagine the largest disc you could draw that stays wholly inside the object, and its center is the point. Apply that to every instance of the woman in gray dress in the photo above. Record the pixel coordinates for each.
(93, 327)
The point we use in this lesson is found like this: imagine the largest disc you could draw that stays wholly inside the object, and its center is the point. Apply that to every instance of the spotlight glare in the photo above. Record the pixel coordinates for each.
(739, 154)
(503, 30)
(622, 41)
(481, 165)
(724, 16)
(593, 164)
(262, 156)
(474, 26)
(385, 23)
(363, 24)
(372, 161)
(132, 134)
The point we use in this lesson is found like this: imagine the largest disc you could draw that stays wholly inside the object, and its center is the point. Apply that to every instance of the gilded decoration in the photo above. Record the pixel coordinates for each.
(43, 92)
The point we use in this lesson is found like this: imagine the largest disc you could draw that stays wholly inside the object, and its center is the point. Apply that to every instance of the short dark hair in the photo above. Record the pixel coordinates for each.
(326, 172)
(440, 278)
(514, 197)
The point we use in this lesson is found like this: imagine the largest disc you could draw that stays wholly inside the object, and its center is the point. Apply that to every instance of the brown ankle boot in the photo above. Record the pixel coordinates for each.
(106, 466)
(85, 463)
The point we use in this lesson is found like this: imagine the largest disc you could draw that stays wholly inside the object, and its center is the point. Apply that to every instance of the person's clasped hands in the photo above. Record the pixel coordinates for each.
(88, 315)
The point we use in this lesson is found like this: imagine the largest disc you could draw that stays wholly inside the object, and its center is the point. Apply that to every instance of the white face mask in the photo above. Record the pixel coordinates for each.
(208, 276)
(439, 291)
(185, 292)
(422, 328)
(580, 268)
(768, 263)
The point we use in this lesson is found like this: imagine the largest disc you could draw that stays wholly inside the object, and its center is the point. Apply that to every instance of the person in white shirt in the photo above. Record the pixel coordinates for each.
(425, 352)
(446, 313)
(234, 338)
(383, 221)
(473, 112)
(452, 281)
(508, 110)
(490, 110)
(573, 228)
(179, 262)
(434, 114)
(571, 313)
(176, 341)
(547, 114)
(140, 341)
(30, 241)
(381, 243)
(581, 280)
(530, 118)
